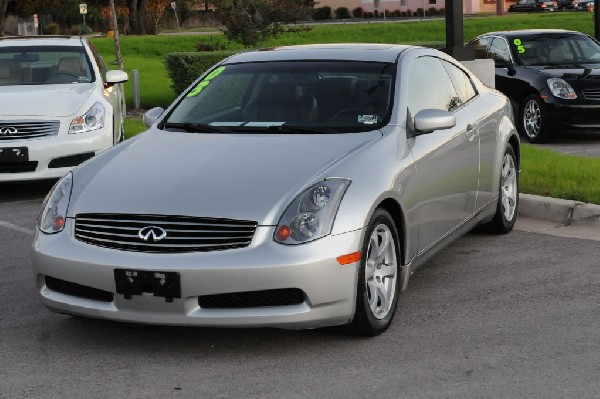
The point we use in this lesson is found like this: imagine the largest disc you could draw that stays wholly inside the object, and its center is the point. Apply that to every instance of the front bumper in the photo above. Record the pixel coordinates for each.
(329, 288)
(63, 148)
(580, 115)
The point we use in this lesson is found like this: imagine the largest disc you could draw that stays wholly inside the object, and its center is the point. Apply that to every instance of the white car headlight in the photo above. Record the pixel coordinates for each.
(54, 210)
(311, 214)
(561, 89)
(93, 119)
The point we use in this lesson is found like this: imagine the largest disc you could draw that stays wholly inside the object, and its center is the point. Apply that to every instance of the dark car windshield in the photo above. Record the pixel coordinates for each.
(289, 97)
(38, 65)
(556, 49)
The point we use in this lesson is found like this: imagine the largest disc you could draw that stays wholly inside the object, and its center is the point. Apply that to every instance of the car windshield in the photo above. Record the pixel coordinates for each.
(289, 97)
(556, 50)
(40, 65)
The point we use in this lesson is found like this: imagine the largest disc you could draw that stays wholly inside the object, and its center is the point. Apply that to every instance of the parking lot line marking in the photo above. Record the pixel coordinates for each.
(17, 228)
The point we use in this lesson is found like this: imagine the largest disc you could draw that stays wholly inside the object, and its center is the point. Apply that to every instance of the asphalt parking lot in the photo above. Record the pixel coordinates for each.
(509, 316)
(584, 144)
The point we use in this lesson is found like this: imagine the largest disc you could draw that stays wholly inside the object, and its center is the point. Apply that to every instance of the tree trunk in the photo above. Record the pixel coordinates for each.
(142, 16)
(115, 28)
(134, 26)
(3, 6)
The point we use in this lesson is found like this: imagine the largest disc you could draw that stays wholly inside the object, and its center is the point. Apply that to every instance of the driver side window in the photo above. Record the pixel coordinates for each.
(430, 87)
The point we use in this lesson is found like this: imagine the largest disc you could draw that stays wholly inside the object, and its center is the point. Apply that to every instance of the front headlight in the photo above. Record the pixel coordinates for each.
(311, 214)
(93, 119)
(561, 89)
(54, 210)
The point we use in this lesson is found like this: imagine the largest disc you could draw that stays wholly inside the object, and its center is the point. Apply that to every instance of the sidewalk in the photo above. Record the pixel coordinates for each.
(558, 217)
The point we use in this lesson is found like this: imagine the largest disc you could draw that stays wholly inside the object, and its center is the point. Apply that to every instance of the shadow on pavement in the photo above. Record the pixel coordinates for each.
(22, 191)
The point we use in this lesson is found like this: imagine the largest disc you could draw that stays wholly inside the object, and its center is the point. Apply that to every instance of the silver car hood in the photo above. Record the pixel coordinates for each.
(49, 101)
(237, 176)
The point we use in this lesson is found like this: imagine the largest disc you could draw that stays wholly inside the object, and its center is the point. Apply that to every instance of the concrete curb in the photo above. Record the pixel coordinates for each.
(563, 212)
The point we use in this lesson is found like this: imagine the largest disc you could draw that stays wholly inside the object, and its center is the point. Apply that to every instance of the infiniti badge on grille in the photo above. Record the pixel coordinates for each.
(7, 131)
(152, 233)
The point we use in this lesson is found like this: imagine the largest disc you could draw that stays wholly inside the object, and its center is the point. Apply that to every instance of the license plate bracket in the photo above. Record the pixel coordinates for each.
(14, 154)
(137, 282)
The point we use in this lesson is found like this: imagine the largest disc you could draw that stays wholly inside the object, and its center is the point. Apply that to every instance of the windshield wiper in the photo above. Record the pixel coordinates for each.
(301, 129)
(564, 66)
(197, 127)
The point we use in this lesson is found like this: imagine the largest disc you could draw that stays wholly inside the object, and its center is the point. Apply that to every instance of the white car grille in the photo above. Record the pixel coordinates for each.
(27, 129)
(163, 233)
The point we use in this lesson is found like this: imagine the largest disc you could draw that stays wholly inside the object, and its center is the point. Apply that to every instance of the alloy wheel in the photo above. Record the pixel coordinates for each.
(381, 271)
(532, 119)
(508, 187)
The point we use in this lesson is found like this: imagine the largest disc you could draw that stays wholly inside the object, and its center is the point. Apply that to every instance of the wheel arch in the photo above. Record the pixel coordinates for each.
(397, 213)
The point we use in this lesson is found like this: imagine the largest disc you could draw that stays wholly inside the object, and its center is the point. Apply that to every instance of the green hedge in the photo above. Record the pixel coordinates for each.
(184, 68)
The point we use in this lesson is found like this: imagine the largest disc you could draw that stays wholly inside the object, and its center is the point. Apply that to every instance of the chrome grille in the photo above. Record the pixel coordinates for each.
(183, 233)
(30, 129)
(591, 94)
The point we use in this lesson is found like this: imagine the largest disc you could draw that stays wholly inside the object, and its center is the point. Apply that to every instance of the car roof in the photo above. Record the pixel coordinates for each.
(40, 41)
(333, 52)
(531, 32)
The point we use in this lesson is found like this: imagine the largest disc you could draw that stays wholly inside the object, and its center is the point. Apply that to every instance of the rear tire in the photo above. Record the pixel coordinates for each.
(378, 284)
(508, 199)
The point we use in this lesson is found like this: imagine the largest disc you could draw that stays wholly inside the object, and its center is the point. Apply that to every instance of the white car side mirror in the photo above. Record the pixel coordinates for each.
(116, 76)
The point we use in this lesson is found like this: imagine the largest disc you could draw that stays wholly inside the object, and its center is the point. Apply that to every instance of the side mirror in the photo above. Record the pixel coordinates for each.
(429, 120)
(506, 64)
(116, 76)
(152, 115)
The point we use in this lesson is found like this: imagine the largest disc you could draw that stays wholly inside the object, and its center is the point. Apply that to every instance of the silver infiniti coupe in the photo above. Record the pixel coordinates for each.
(295, 187)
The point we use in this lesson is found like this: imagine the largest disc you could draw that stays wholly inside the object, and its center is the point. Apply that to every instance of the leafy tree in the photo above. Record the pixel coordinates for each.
(252, 21)
(155, 10)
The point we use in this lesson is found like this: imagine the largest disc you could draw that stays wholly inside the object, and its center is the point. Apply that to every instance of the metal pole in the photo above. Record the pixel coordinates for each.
(135, 83)
(454, 32)
(597, 19)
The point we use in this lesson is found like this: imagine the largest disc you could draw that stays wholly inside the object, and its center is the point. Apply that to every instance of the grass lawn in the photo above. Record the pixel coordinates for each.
(548, 173)
(146, 53)
(544, 172)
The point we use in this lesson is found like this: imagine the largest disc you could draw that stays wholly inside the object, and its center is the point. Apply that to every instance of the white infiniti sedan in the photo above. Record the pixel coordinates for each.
(59, 106)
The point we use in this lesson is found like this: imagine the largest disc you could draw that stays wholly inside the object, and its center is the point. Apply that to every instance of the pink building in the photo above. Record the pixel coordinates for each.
(469, 6)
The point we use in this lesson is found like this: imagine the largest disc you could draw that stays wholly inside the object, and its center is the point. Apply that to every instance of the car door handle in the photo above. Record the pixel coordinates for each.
(470, 132)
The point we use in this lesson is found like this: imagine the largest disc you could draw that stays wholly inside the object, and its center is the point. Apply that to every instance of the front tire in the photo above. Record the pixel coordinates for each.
(508, 199)
(378, 277)
(533, 120)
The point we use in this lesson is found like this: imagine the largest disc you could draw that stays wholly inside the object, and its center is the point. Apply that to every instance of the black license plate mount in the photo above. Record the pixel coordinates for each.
(137, 282)
(14, 154)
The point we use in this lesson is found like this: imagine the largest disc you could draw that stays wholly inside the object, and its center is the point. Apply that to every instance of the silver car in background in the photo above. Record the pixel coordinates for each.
(296, 187)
